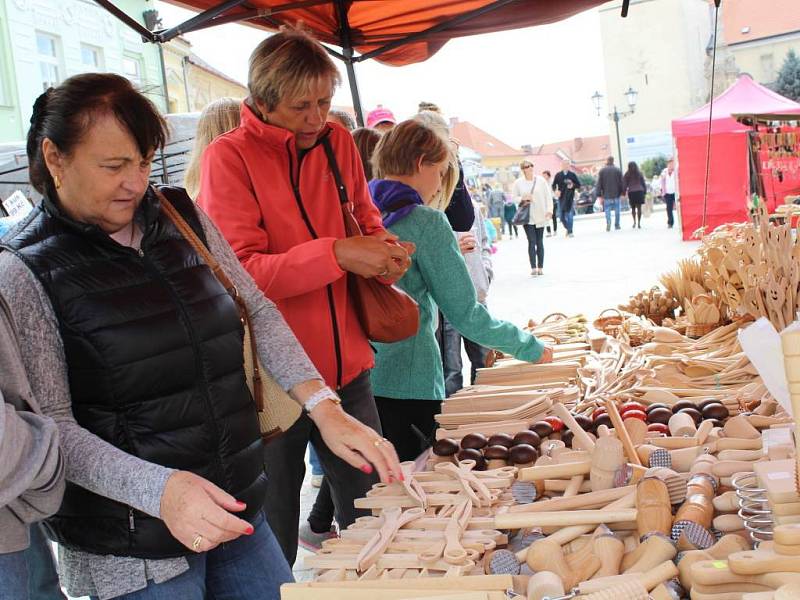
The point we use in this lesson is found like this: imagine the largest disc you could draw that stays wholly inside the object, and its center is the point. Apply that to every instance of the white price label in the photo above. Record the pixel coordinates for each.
(17, 205)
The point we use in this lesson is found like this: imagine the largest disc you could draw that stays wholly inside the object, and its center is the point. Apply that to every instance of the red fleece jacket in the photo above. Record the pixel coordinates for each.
(282, 216)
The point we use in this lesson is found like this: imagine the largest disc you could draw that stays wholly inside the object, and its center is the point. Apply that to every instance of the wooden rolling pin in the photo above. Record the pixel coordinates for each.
(631, 590)
(567, 534)
(556, 471)
(591, 500)
(563, 518)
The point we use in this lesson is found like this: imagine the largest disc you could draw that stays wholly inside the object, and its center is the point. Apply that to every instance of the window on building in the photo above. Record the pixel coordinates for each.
(132, 69)
(48, 55)
(92, 57)
(768, 68)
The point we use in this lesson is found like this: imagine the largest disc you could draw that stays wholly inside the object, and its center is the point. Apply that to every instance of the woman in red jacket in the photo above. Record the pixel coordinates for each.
(269, 188)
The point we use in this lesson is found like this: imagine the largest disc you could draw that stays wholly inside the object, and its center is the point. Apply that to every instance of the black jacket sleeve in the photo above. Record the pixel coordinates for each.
(460, 212)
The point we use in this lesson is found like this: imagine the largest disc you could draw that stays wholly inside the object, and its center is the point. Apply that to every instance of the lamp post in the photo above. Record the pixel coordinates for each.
(631, 96)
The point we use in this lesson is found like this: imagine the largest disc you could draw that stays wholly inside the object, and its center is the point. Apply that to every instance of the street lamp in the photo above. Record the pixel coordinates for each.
(631, 95)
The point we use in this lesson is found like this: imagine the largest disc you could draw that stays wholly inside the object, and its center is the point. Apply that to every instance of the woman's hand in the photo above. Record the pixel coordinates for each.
(355, 443)
(546, 357)
(548, 215)
(198, 513)
(467, 243)
(369, 256)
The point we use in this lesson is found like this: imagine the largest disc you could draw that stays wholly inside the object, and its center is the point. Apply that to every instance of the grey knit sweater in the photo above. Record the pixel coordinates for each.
(31, 464)
(100, 467)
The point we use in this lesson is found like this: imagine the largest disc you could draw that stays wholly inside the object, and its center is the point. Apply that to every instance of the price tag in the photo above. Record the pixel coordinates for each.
(17, 205)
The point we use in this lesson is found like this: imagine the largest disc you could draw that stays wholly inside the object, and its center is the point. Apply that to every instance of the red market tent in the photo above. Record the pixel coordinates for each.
(729, 176)
(395, 32)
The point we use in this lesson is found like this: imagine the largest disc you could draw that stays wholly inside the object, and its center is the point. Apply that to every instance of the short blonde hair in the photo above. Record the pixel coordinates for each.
(218, 117)
(399, 150)
(285, 65)
(437, 122)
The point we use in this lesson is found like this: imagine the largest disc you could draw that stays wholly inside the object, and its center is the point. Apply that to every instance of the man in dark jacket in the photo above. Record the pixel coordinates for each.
(565, 184)
(609, 190)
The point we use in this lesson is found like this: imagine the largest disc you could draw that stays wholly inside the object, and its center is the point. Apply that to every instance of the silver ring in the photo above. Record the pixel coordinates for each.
(384, 273)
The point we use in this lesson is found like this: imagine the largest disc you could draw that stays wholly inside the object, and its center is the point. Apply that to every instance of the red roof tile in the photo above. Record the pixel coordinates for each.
(579, 150)
(745, 20)
(483, 143)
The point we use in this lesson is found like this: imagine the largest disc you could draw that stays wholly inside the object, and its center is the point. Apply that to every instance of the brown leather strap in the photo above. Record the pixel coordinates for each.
(190, 236)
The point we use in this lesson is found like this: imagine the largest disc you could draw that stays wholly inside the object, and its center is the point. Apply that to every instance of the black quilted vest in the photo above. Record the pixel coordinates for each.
(153, 345)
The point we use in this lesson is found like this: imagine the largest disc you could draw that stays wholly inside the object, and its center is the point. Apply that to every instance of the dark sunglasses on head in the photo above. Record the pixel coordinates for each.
(527, 166)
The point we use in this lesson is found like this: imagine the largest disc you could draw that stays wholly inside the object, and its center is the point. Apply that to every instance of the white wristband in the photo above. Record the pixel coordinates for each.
(324, 393)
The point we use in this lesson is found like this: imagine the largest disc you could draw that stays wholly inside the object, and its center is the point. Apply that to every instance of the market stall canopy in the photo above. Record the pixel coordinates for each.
(728, 177)
(744, 96)
(395, 32)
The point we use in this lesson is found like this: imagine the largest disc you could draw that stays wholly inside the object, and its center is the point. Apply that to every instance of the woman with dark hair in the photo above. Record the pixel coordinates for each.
(366, 139)
(635, 187)
(134, 348)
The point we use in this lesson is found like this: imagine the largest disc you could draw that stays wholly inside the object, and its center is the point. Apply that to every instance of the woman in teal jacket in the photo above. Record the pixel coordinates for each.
(412, 161)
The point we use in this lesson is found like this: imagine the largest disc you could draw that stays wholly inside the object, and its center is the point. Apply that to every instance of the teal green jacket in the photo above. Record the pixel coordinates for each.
(438, 277)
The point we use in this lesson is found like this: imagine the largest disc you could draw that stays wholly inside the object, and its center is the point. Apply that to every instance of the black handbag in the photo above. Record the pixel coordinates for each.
(523, 214)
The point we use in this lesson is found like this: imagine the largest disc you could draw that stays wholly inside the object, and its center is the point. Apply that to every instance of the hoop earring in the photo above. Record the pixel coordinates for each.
(57, 182)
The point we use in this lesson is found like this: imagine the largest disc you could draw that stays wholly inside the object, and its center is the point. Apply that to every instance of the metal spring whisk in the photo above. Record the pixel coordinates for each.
(754, 507)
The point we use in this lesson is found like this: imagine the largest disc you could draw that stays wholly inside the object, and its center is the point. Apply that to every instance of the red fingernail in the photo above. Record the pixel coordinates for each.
(249, 530)
(401, 477)
(367, 469)
(240, 504)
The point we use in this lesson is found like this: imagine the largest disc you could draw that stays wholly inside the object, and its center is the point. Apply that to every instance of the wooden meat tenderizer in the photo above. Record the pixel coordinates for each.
(653, 507)
(607, 459)
(609, 549)
(651, 579)
(682, 425)
(545, 584)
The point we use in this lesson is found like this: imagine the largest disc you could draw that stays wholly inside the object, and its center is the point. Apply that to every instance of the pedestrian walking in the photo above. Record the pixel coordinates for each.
(609, 191)
(534, 192)
(668, 189)
(549, 178)
(497, 202)
(635, 188)
(565, 184)
(509, 210)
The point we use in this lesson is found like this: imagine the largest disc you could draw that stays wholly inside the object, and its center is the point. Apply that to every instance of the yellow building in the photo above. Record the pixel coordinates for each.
(191, 82)
(760, 35)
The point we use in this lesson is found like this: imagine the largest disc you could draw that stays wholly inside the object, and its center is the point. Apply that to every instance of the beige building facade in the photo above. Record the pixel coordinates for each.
(193, 83)
(759, 35)
(660, 50)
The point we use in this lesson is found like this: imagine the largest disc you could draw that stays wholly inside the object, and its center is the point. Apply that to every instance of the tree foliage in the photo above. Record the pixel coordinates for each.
(788, 82)
(587, 179)
(654, 166)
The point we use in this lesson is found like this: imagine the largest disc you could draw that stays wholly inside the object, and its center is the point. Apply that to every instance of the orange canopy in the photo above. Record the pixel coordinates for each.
(395, 32)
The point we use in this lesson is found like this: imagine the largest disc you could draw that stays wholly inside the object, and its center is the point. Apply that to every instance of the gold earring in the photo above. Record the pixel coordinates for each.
(57, 182)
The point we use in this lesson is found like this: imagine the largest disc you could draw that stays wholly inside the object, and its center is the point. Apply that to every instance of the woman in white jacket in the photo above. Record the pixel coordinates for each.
(534, 190)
